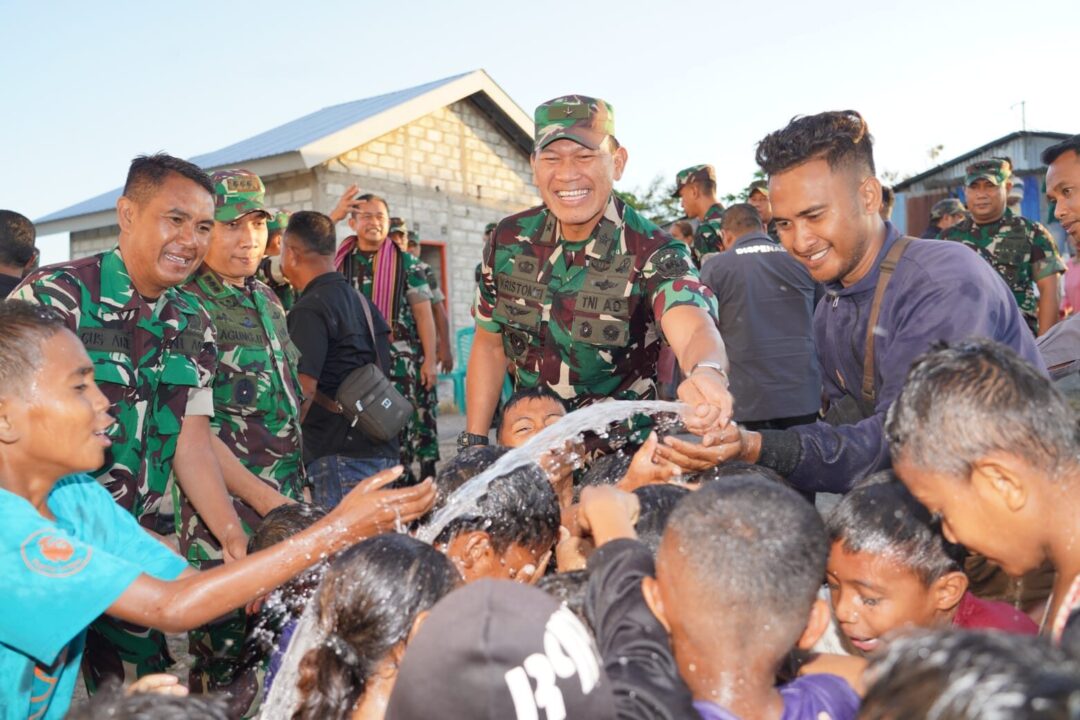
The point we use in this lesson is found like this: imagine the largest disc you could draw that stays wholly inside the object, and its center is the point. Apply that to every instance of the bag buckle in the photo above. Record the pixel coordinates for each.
(359, 409)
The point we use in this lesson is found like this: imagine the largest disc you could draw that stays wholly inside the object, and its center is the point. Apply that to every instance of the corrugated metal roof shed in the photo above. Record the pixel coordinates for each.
(298, 134)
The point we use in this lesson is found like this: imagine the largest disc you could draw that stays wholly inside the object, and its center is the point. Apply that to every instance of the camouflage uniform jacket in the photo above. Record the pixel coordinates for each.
(583, 318)
(360, 271)
(256, 387)
(707, 235)
(1022, 251)
(437, 295)
(154, 361)
(284, 291)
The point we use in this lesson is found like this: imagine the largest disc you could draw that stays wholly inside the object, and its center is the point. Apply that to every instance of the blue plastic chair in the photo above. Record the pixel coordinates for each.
(465, 338)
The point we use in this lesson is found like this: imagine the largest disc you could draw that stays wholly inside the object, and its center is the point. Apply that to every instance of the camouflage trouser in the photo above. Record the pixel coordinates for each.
(116, 649)
(216, 647)
(405, 374)
(427, 405)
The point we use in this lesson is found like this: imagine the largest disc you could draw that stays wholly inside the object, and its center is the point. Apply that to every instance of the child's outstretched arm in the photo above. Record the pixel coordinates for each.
(195, 599)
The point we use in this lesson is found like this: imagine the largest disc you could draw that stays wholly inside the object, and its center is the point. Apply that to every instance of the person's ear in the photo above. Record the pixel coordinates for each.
(477, 552)
(651, 590)
(620, 157)
(8, 434)
(125, 213)
(421, 618)
(948, 590)
(870, 196)
(820, 619)
(1000, 479)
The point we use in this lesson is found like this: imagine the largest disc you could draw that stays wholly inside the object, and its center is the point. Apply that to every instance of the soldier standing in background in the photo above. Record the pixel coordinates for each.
(576, 291)
(696, 189)
(270, 267)
(256, 397)
(1021, 250)
(943, 215)
(758, 196)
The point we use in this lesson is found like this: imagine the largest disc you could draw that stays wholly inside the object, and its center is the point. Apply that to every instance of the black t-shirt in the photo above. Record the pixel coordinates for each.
(329, 327)
(7, 284)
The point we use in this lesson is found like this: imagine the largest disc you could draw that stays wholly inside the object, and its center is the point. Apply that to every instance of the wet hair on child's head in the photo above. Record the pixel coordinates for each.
(657, 502)
(368, 601)
(467, 464)
(737, 468)
(879, 516)
(540, 392)
(606, 469)
(517, 508)
(570, 588)
(112, 702)
(283, 522)
(962, 675)
(752, 549)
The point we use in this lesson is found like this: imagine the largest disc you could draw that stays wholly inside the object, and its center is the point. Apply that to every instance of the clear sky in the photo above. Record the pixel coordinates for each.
(86, 86)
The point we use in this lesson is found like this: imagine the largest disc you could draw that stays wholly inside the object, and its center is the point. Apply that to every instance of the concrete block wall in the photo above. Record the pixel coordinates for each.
(449, 174)
(90, 242)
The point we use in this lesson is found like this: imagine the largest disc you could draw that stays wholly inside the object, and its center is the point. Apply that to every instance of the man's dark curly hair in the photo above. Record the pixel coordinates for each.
(841, 137)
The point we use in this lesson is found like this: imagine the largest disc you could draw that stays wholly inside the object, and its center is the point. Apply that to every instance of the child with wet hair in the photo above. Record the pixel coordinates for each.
(962, 675)
(510, 533)
(656, 503)
(372, 599)
(890, 568)
(463, 467)
(736, 586)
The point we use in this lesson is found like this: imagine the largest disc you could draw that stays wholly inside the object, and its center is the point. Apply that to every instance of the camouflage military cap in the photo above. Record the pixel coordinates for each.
(490, 227)
(692, 174)
(414, 237)
(761, 186)
(279, 221)
(996, 170)
(398, 225)
(948, 206)
(585, 120)
(237, 193)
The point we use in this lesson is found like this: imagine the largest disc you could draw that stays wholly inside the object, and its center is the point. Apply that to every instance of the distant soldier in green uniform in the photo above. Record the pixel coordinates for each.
(488, 229)
(577, 291)
(423, 430)
(155, 358)
(270, 267)
(395, 283)
(256, 396)
(696, 189)
(758, 196)
(1021, 250)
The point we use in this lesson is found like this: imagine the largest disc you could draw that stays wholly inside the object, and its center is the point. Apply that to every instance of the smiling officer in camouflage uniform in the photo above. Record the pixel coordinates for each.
(576, 292)
(256, 394)
(154, 358)
(696, 189)
(1021, 250)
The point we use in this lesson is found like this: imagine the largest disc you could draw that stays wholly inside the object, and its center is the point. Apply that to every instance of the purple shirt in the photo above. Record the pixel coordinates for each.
(811, 697)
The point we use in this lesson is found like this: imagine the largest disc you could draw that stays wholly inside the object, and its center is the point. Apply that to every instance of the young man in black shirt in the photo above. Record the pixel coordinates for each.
(329, 326)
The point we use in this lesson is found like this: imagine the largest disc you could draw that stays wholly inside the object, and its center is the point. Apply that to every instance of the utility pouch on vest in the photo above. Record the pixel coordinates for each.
(850, 409)
(368, 399)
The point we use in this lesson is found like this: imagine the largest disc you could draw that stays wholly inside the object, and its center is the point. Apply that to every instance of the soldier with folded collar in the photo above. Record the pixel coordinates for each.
(696, 189)
(256, 395)
(576, 292)
(1021, 250)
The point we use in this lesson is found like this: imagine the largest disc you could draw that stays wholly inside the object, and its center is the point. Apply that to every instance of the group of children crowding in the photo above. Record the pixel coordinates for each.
(605, 593)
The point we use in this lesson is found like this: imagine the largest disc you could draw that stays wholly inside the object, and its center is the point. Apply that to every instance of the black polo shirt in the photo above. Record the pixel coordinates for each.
(766, 301)
(329, 326)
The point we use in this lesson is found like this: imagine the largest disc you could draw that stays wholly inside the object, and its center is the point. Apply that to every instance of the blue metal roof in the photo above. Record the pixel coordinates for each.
(285, 138)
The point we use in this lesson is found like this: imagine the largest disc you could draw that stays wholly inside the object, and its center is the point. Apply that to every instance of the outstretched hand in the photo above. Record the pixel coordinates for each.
(369, 509)
(647, 467)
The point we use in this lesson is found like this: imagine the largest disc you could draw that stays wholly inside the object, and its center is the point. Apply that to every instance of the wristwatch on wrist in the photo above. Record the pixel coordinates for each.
(712, 365)
(468, 439)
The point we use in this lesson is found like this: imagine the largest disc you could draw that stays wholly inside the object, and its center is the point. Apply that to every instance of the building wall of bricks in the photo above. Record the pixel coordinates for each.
(449, 174)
